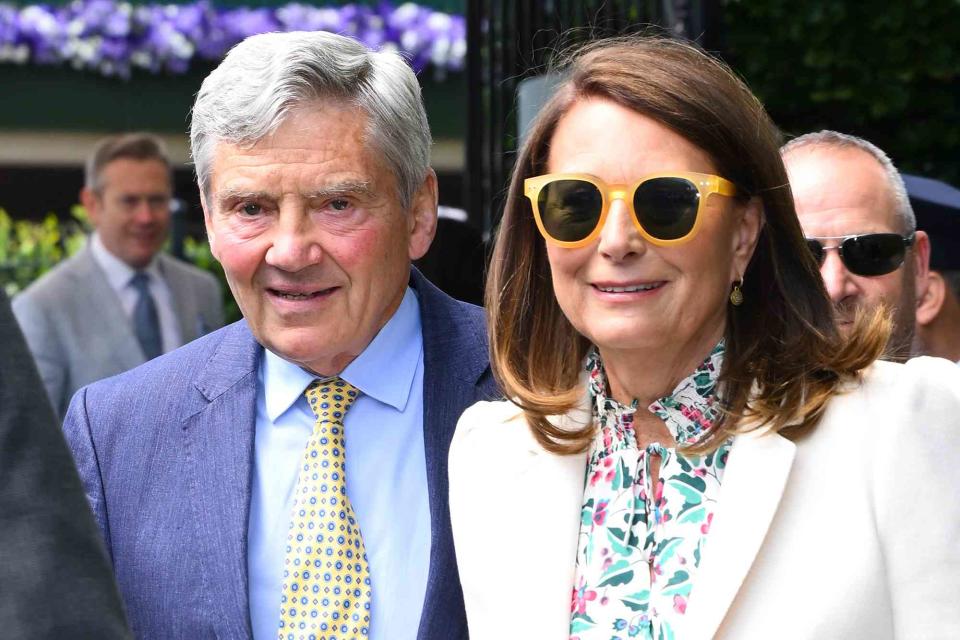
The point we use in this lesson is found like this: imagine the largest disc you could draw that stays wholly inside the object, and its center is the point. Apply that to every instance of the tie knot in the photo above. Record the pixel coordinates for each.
(330, 399)
(140, 280)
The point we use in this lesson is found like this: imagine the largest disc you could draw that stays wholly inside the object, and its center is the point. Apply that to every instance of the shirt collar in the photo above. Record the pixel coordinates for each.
(117, 271)
(689, 411)
(384, 370)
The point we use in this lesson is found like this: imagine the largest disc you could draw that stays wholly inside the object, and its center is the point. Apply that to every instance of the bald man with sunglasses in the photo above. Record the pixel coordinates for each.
(859, 224)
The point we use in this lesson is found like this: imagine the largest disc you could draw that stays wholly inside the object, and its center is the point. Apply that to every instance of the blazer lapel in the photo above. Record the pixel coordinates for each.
(219, 441)
(187, 317)
(753, 484)
(524, 532)
(548, 498)
(455, 358)
(125, 351)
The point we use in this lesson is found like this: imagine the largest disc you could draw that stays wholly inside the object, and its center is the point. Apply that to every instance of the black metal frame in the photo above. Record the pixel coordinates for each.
(511, 40)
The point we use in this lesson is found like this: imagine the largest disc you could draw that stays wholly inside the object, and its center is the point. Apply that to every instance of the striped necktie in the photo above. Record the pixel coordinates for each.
(326, 579)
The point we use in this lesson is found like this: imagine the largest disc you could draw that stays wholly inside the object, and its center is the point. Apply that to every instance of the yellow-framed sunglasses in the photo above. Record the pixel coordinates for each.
(570, 208)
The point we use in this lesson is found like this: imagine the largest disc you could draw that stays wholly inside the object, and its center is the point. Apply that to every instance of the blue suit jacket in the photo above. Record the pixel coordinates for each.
(165, 453)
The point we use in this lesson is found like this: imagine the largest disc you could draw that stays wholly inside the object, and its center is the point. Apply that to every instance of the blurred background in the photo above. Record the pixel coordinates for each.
(74, 71)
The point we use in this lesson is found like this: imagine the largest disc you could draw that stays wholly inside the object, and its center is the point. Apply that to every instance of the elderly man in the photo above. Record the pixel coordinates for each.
(119, 302)
(855, 212)
(285, 477)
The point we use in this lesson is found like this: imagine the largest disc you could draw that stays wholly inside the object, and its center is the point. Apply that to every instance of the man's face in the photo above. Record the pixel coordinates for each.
(844, 192)
(131, 212)
(312, 236)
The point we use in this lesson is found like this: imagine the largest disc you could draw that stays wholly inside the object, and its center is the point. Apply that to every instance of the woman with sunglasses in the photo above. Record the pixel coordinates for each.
(690, 450)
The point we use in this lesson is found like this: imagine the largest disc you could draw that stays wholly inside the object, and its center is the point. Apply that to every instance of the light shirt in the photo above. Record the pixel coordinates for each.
(119, 274)
(386, 475)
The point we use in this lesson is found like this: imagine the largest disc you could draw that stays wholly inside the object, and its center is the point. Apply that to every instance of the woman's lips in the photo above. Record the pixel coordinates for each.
(609, 288)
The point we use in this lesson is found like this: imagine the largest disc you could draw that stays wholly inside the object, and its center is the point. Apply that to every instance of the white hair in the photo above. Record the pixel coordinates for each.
(836, 140)
(266, 77)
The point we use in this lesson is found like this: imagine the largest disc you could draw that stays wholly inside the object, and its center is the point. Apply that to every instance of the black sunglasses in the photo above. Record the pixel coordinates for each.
(870, 254)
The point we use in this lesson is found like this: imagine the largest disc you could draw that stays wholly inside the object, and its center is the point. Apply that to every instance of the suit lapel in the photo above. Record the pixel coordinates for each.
(125, 350)
(753, 484)
(179, 287)
(455, 358)
(219, 441)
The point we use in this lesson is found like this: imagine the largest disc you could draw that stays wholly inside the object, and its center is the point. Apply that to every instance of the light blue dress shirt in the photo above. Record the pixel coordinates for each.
(386, 475)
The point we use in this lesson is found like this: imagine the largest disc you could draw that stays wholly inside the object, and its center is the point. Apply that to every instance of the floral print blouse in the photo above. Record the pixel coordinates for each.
(641, 538)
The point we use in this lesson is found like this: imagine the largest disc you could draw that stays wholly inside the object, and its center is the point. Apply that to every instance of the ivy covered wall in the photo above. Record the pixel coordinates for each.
(889, 72)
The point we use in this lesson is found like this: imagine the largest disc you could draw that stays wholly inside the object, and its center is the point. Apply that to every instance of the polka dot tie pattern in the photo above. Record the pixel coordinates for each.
(326, 579)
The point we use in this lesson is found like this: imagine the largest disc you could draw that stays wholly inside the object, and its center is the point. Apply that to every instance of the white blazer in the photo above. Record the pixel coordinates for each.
(852, 531)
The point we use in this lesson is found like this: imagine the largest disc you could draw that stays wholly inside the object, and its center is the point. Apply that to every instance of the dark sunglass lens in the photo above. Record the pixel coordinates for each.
(569, 209)
(873, 254)
(816, 248)
(667, 207)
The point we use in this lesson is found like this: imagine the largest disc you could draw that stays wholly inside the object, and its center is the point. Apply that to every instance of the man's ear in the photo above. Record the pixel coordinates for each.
(91, 202)
(921, 267)
(745, 236)
(423, 217)
(207, 218)
(931, 300)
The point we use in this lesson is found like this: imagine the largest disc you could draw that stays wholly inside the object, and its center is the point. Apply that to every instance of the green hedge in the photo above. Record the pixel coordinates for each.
(889, 72)
(30, 249)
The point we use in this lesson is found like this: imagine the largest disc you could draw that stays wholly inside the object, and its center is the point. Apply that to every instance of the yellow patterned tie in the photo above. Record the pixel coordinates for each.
(326, 580)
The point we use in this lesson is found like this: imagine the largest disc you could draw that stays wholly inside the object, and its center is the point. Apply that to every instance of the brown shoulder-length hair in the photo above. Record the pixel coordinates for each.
(784, 358)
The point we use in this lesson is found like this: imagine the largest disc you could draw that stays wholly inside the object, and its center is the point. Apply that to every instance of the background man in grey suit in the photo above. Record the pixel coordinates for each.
(216, 471)
(55, 580)
(119, 301)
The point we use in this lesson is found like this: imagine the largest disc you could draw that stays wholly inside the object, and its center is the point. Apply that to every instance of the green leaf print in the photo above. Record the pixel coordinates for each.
(698, 513)
(677, 578)
(626, 480)
(691, 497)
(639, 601)
(579, 624)
(586, 516)
(618, 573)
(615, 538)
(667, 548)
(666, 632)
(694, 481)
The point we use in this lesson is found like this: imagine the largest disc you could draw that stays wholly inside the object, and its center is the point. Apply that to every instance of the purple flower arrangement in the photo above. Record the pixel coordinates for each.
(113, 38)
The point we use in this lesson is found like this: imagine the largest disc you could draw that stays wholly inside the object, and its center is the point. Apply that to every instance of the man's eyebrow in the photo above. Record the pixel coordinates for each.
(360, 188)
(350, 187)
(239, 194)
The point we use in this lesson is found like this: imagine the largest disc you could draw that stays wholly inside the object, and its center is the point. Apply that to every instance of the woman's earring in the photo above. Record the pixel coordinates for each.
(736, 296)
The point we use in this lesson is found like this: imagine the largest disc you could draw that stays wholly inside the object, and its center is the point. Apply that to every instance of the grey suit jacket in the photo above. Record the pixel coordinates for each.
(55, 581)
(77, 329)
(165, 453)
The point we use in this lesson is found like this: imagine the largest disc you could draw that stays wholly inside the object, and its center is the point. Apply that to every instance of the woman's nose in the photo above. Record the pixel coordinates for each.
(619, 237)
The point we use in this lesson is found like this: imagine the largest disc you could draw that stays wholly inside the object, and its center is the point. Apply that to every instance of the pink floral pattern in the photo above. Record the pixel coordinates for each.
(642, 538)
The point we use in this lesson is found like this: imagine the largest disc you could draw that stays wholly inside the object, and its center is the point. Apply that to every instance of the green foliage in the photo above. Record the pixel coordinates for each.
(29, 249)
(885, 71)
(197, 252)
